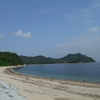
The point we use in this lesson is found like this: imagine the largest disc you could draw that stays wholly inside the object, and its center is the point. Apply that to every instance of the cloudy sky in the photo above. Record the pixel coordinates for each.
(53, 28)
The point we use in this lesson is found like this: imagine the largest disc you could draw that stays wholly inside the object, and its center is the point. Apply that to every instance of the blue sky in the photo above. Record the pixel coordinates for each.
(53, 28)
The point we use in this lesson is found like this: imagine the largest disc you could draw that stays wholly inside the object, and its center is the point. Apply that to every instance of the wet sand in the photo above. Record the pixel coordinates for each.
(34, 88)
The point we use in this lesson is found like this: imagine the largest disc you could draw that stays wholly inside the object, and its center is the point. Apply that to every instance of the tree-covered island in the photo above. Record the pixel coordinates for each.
(70, 58)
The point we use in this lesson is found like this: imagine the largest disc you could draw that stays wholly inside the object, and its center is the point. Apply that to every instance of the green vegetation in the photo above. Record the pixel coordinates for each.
(75, 58)
(37, 60)
(9, 59)
(12, 59)
(70, 58)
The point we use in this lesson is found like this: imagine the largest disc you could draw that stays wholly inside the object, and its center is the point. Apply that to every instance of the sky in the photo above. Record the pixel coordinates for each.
(52, 28)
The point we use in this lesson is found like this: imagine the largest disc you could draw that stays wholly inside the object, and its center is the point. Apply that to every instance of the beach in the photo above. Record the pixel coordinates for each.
(34, 88)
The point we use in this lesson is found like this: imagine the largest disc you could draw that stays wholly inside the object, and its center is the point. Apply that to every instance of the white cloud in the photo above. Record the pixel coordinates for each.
(87, 16)
(96, 4)
(88, 44)
(24, 35)
(93, 29)
(1, 36)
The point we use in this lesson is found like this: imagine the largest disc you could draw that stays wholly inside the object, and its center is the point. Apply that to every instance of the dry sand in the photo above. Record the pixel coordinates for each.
(33, 88)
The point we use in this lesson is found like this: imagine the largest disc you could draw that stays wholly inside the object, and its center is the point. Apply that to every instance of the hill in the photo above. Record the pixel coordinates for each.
(76, 58)
(70, 58)
(37, 60)
(9, 59)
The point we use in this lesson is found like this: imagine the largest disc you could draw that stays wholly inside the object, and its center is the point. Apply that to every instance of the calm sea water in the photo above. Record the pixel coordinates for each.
(89, 72)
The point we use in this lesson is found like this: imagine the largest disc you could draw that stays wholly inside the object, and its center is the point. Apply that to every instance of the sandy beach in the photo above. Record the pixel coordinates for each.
(33, 88)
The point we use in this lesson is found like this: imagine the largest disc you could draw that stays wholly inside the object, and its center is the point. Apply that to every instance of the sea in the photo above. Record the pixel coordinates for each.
(84, 72)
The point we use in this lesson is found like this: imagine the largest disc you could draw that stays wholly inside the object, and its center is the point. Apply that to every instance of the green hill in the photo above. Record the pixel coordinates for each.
(70, 58)
(9, 59)
(37, 60)
(75, 58)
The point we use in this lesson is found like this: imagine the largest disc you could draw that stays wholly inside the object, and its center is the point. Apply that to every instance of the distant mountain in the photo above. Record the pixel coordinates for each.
(9, 59)
(70, 58)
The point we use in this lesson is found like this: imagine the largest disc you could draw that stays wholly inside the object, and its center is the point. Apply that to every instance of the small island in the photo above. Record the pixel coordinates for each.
(70, 58)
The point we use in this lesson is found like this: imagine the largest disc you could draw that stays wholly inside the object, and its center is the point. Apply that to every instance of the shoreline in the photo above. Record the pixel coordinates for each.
(51, 79)
(64, 63)
(49, 89)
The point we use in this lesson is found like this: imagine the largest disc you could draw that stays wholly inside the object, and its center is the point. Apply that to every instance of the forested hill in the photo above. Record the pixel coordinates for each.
(70, 58)
(76, 58)
(9, 59)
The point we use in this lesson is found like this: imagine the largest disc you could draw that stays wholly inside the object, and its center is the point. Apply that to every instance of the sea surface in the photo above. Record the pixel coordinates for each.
(86, 72)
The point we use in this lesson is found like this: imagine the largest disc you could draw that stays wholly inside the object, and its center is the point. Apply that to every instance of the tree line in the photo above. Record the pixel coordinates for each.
(9, 59)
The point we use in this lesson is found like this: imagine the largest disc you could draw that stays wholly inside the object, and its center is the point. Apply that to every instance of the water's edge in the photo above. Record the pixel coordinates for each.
(11, 71)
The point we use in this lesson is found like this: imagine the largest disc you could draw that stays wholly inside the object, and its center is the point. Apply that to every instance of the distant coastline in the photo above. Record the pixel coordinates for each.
(70, 58)
(12, 59)
(61, 63)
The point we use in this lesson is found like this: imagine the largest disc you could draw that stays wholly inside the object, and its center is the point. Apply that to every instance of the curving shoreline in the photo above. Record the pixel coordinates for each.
(10, 71)
(49, 89)
(79, 75)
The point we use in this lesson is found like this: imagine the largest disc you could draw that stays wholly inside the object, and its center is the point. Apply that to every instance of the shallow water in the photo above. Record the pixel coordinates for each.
(89, 72)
